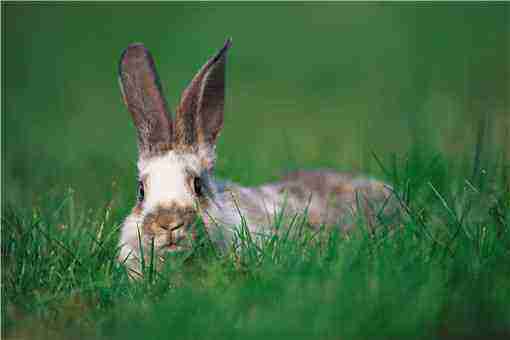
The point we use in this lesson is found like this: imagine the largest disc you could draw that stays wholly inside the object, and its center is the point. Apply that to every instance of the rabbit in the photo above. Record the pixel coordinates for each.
(176, 182)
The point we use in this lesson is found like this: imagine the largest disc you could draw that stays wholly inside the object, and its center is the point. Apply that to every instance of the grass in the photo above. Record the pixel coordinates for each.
(444, 274)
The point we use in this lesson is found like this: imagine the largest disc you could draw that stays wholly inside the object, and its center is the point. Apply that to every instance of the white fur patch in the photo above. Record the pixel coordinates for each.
(165, 179)
(129, 239)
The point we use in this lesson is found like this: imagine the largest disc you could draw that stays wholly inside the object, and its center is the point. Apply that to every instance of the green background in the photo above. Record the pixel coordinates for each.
(425, 87)
(308, 85)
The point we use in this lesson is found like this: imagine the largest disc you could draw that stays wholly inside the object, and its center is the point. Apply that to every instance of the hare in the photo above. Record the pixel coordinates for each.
(176, 181)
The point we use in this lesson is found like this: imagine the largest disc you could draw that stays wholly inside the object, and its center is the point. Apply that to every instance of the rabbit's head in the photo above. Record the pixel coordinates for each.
(176, 156)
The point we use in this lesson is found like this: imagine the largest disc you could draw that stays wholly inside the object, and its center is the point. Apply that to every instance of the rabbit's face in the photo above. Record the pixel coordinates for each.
(172, 190)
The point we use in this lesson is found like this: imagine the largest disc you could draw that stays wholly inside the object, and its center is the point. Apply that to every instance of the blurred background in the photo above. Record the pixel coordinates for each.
(308, 85)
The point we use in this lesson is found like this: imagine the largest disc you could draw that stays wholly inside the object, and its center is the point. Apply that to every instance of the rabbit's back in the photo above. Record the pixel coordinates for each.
(335, 198)
(327, 197)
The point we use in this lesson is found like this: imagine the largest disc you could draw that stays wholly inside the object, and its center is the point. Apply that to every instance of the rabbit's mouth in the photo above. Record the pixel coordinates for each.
(177, 239)
(177, 244)
(173, 247)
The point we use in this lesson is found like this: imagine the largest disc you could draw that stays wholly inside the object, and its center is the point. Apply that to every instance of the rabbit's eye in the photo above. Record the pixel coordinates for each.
(141, 191)
(197, 186)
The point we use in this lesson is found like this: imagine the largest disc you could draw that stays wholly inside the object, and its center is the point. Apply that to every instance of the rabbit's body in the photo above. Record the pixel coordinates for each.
(327, 197)
(176, 163)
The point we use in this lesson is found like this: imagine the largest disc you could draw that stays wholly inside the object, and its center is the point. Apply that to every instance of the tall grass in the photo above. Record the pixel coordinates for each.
(444, 273)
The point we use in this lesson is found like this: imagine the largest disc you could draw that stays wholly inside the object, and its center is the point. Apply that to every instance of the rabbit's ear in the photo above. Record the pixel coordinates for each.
(143, 95)
(199, 117)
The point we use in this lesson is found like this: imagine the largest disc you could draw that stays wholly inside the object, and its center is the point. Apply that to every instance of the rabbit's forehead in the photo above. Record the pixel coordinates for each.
(167, 177)
(171, 161)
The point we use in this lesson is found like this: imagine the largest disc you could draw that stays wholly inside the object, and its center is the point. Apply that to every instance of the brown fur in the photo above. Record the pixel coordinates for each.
(334, 198)
(199, 117)
(142, 93)
(165, 220)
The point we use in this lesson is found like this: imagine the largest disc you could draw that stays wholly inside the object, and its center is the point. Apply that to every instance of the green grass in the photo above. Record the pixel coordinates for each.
(414, 94)
(443, 274)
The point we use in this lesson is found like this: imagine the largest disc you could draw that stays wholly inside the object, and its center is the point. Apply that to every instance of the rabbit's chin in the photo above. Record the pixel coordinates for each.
(175, 248)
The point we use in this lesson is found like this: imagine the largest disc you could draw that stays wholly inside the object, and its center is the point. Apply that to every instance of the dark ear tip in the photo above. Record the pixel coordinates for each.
(223, 51)
(226, 46)
(135, 45)
(134, 50)
(228, 43)
(132, 55)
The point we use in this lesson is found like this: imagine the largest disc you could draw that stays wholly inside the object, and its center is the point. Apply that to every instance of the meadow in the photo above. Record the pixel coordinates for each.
(416, 94)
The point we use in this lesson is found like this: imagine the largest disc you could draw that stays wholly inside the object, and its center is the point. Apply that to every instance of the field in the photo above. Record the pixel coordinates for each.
(417, 95)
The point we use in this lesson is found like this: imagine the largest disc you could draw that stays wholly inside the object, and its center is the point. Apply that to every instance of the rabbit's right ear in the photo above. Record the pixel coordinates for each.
(199, 116)
(143, 95)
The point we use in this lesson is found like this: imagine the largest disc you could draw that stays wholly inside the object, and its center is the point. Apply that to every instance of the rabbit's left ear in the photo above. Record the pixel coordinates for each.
(199, 117)
(143, 95)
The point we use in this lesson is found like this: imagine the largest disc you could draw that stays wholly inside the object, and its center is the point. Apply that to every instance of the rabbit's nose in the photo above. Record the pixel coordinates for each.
(171, 227)
(166, 221)
(169, 219)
